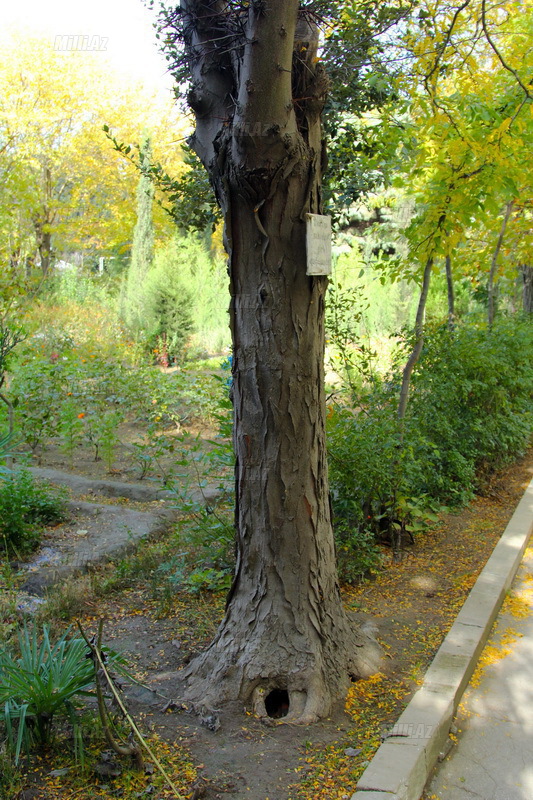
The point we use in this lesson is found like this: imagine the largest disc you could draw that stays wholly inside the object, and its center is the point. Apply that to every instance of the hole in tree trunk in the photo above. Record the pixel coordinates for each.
(277, 703)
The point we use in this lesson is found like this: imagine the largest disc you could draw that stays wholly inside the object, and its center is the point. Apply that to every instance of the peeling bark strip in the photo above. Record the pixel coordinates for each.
(257, 90)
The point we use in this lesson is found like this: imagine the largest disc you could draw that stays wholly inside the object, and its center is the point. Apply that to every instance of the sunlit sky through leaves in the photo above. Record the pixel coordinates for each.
(120, 30)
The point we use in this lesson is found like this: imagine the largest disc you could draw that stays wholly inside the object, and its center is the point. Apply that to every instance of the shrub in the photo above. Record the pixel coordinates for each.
(367, 467)
(469, 413)
(42, 682)
(358, 555)
(5, 448)
(168, 318)
(206, 530)
(24, 506)
(470, 409)
(207, 537)
(37, 392)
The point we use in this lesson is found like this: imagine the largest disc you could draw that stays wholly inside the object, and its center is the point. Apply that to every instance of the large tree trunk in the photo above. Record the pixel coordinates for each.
(285, 637)
(285, 627)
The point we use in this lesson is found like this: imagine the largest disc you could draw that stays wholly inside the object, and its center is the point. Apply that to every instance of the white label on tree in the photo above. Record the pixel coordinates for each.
(318, 236)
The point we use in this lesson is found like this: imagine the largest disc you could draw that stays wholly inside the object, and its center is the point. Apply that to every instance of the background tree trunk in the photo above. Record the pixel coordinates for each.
(527, 288)
(451, 292)
(419, 341)
(491, 289)
(42, 223)
(44, 243)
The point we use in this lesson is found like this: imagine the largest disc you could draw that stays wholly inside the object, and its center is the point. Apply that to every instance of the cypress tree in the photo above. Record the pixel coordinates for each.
(142, 251)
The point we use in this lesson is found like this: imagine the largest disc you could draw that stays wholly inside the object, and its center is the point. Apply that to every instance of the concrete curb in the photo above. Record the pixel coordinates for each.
(403, 764)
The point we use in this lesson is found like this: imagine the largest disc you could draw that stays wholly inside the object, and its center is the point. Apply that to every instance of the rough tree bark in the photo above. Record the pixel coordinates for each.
(257, 91)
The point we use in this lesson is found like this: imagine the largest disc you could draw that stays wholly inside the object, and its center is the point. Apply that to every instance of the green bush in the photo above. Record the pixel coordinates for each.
(25, 506)
(76, 398)
(469, 413)
(363, 454)
(366, 466)
(184, 301)
(77, 286)
(168, 318)
(6, 440)
(358, 555)
(37, 391)
(470, 410)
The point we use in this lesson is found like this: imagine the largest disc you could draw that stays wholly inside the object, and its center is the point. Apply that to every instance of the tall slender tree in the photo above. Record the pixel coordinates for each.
(526, 273)
(142, 251)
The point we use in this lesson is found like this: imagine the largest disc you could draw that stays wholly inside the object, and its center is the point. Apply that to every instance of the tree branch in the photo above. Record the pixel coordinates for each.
(497, 52)
(442, 47)
(265, 89)
(204, 25)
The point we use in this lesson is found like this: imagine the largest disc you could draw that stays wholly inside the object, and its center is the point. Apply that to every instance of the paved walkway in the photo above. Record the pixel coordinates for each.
(493, 759)
(482, 766)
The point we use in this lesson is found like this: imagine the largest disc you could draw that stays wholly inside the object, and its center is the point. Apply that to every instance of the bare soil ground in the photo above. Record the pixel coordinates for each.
(125, 465)
(412, 602)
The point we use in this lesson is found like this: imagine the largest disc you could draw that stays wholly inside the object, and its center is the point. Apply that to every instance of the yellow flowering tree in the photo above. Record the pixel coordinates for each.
(64, 188)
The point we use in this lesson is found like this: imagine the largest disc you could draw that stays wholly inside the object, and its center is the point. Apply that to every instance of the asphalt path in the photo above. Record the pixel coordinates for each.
(493, 757)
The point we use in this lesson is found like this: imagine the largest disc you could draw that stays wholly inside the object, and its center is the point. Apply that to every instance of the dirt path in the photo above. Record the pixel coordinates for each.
(97, 530)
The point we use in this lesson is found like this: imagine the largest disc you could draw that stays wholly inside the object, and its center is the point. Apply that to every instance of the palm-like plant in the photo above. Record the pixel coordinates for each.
(41, 682)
